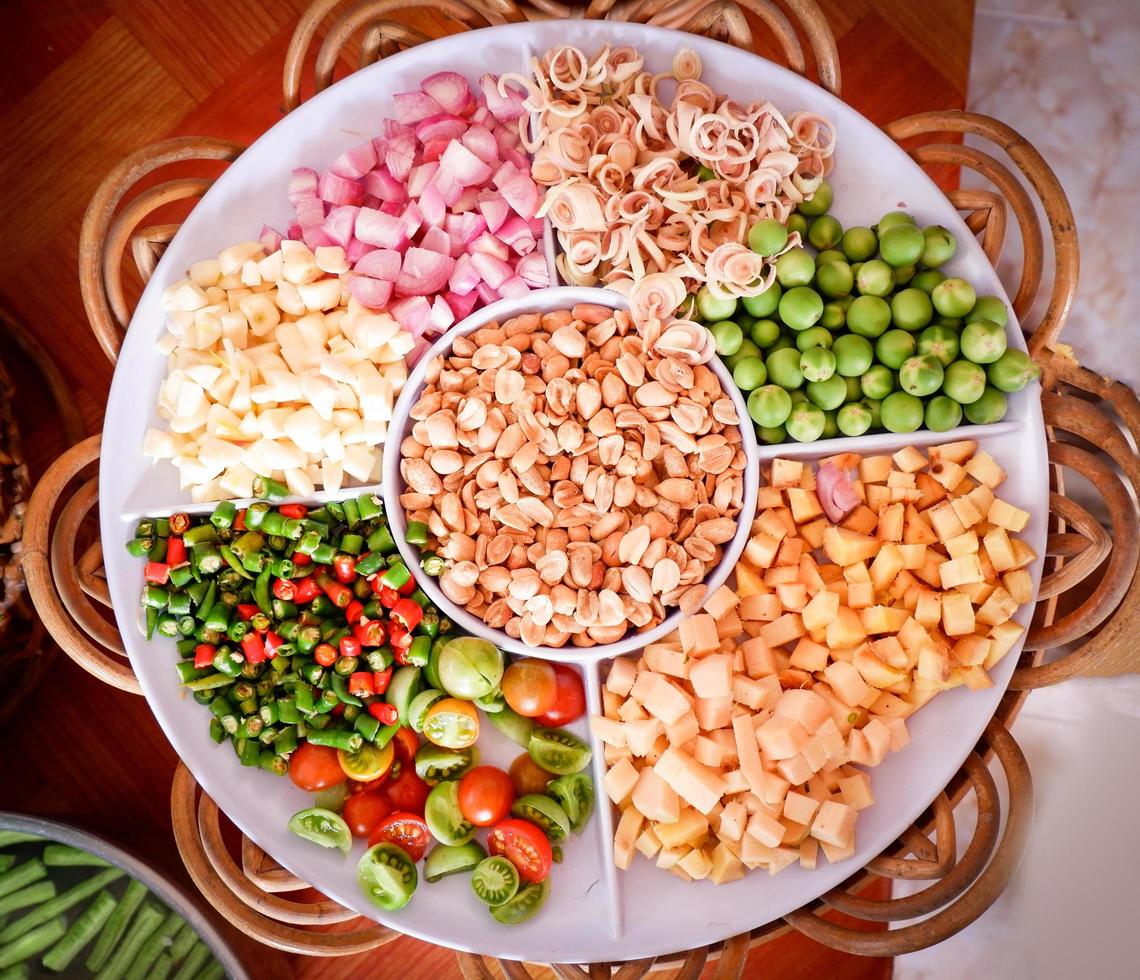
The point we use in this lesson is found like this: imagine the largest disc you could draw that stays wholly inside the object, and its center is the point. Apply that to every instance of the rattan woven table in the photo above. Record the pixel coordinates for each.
(1089, 598)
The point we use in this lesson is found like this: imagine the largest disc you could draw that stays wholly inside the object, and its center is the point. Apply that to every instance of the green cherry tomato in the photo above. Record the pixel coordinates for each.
(495, 880)
(989, 308)
(813, 337)
(893, 218)
(771, 435)
(767, 237)
(806, 423)
(877, 381)
(444, 817)
(749, 373)
(900, 244)
(711, 308)
(322, 827)
(894, 347)
(828, 394)
(800, 308)
(817, 364)
(834, 316)
(387, 876)
(940, 342)
(903, 274)
(765, 304)
(470, 667)
(558, 751)
(859, 244)
(990, 408)
(779, 344)
(834, 279)
(938, 246)
(830, 425)
(854, 389)
(927, 279)
(524, 905)
(825, 232)
(901, 412)
(797, 223)
(953, 297)
(746, 349)
(575, 794)
(829, 255)
(727, 336)
(545, 813)
(795, 267)
(818, 203)
(875, 407)
(1012, 371)
(853, 355)
(434, 763)
(983, 341)
(921, 375)
(965, 382)
(784, 368)
(943, 414)
(769, 407)
(869, 316)
(911, 309)
(444, 860)
(853, 419)
(764, 332)
(874, 278)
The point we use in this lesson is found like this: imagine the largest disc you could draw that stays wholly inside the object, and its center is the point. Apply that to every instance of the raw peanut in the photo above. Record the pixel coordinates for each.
(459, 594)
(633, 545)
(666, 576)
(636, 582)
(717, 531)
(568, 341)
(419, 475)
(677, 490)
(692, 599)
(445, 462)
(552, 566)
(530, 631)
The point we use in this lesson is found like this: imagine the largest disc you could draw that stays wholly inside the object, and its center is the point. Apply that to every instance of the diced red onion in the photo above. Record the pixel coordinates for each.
(380, 263)
(303, 182)
(444, 127)
(514, 287)
(450, 90)
(412, 219)
(534, 270)
(418, 178)
(516, 232)
(269, 238)
(494, 209)
(356, 250)
(339, 224)
(466, 201)
(414, 107)
(383, 185)
(505, 108)
(378, 228)
(486, 293)
(423, 272)
(461, 305)
(433, 149)
(481, 141)
(494, 270)
(488, 244)
(355, 163)
(412, 312)
(373, 293)
(401, 155)
(464, 277)
(314, 237)
(442, 315)
(432, 205)
(464, 166)
(436, 240)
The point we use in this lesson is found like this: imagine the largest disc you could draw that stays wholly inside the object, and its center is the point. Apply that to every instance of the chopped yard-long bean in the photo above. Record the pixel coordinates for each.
(279, 634)
(59, 904)
(34, 942)
(116, 925)
(148, 920)
(81, 932)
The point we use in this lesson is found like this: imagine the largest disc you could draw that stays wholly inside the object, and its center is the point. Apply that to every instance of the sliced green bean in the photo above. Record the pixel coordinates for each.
(34, 942)
(10, 837)
(162, 967)
(116, 925)
(183, 943)
(57, 906)
(215, 971)
(17, 972)
(6, 861)
(64, 856)
(148, 920)
(158, 943)
(82, 931)
(21, 876)
(35, 894)
(195, 960)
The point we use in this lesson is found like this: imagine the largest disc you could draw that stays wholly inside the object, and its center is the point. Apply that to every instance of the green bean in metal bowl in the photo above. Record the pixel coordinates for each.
(72, 904)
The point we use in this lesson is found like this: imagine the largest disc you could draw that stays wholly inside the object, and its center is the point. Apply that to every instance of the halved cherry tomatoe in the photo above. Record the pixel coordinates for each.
(315, 767)
(363, 811)
(405, 790)
(407, 831)
(569, 699)
(485, 795)
(524, 845)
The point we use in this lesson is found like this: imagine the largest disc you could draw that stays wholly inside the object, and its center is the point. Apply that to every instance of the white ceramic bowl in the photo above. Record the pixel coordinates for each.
(392, 483)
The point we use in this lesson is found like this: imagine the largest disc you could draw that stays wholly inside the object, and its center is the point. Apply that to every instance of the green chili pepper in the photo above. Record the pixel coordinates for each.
(266, 489)
(261, 592)
(224, 514)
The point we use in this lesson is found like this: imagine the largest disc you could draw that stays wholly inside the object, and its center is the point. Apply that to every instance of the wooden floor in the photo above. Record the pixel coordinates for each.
(84, 83)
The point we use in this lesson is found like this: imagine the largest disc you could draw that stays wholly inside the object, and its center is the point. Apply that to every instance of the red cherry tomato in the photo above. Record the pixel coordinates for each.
(524, 845)
(406, 830)
(315, 767)
(485, 795)
(405, 790)
(530, 686)
(528, 776)
(407, 744)
(363, 811)
(570, 701)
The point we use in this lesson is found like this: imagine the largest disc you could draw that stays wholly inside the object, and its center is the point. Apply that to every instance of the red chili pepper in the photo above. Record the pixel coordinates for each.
(273, 643)
(388, 596)
(343, 568)
(380, 679)
(408, 587)
(325, 654)
(305, 590)
(353, 612)
(175, 551)
(360, 684)
(302, 561)
(407, 613)
(284, 589)
(239, 520)
(337, 710)
(253, 647)
(297, 512)
(204, 655)
(383, 712)
(340, 595)
(350, 646)
(247, 610)
(157, 572)
(370, 633)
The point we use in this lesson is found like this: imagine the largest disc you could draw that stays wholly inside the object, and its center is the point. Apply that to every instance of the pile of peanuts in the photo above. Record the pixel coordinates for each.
(576, 483)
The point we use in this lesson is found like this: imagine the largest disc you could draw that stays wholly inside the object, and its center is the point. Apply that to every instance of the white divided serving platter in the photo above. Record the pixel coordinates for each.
(594, 913)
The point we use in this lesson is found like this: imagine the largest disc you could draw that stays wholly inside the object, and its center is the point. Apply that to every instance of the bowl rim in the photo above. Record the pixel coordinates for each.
(170, 893)
(391, 484)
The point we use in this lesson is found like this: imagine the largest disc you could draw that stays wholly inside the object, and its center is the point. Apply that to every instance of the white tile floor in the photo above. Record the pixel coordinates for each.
(1065, 73)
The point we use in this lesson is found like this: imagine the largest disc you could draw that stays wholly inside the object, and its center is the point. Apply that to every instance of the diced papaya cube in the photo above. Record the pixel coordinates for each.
(834, 824)
(945, 521)
(971, 651)
(957, 614)
(794, 833)
(780, 575)
(964, 509)
(748, 580)
(984, 468)
(917, 529)
(698, 634)
(711, 677)
(620, 780)
(856, 791)
(933, 665)
(648, 843)
(928, 611)
(1019, 584)
(749, 692)
(860, 595)
(957, 452)
(641, 735)
(809, 656)
(758, 657)
(892, 521)
(632, 711)
(786, 472)
(688, 829)
(1022, 554)
(765, 828)
(846, 682)
(804, 706)
(999, 549)
(668, 857)
(696, 864)
(608, 730)
(862, 520)
(655, 798)
(960, 571)
(999, 607)
(612, 754)
(812, 532)
(726, 866)
(795, 770)
(857, 572)
(783, 630)
(713, 713)
(776, 523)
(875, 469)
(887, 564)
(767, 498)
(890, 651)
(700, 786)
(809, 854)
(948, 473)
(809, 575)
(820, 610)
(890, 705)
(684, 729)
(975, 678)
(874, 671)
(622, 674)
(628, 830)
(913, 555)
(793, 595)
(666, 658)
(878, 497)
(804, 505)
(846, 629)
(610, 703)
(930, 491)
(846, 547)
(1005, 637)
(732, 821)
(729, 625)
(1005, 515)
(910, 460)
(964, 544)
(781, 738)
(791, 550)
(882, 619)
(764, 606)
(761, 549)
